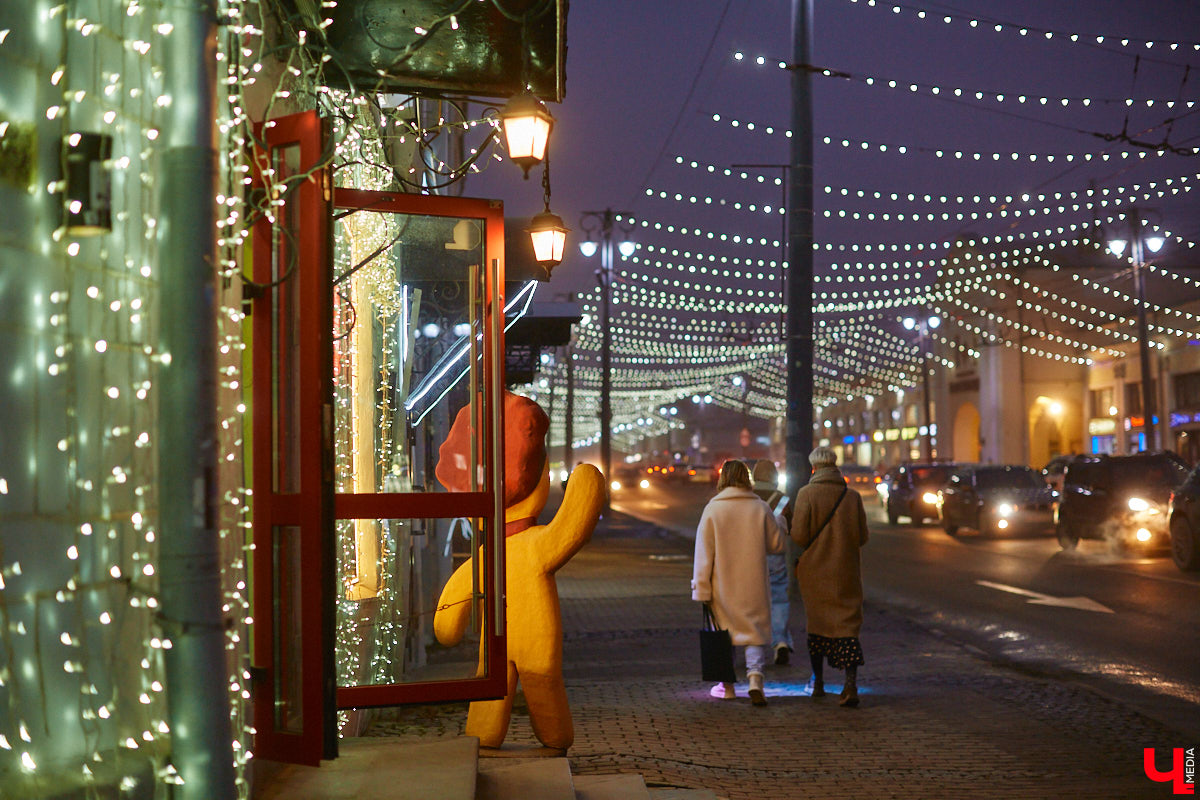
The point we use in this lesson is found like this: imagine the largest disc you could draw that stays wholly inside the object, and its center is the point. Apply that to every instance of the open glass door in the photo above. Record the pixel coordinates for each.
(374, 323)
(417, 337)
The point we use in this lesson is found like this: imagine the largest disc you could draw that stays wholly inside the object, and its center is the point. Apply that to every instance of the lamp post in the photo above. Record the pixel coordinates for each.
(1137, 255)
(604, 222)
(923, 327)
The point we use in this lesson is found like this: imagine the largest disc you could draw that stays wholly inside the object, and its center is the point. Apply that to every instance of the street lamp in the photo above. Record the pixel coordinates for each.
(603, 223)
(526, 124)
(1137, 255)
(923, 327)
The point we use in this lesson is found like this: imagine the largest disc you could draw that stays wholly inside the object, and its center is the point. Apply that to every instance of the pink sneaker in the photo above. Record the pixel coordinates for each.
(722, 691)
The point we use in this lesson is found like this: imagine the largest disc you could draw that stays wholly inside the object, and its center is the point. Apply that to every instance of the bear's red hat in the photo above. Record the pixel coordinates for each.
(525, 426)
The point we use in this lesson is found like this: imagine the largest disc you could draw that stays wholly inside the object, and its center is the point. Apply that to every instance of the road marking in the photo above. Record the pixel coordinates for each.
(1039, 599)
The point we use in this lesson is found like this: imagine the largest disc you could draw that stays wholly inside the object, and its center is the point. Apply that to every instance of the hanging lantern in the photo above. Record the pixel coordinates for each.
(527, 124)
(549, 236)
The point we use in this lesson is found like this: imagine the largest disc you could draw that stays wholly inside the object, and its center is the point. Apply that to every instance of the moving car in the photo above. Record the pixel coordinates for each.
(859, 478)
(1122, 499)
(698, 473)
(629, 477)
(1183, 511)
(997, 498)
(913, 490)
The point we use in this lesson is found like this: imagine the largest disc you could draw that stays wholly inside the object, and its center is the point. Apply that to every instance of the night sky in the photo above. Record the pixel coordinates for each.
(644, 81)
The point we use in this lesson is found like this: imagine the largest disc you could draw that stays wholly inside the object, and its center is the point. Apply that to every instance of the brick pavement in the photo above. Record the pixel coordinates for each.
(936, 721)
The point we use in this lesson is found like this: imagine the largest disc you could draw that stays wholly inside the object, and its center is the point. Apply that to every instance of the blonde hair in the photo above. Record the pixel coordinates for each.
(822, 457)
(734, 473)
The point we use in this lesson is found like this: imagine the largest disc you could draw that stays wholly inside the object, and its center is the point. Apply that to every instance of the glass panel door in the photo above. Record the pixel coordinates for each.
(417, 342)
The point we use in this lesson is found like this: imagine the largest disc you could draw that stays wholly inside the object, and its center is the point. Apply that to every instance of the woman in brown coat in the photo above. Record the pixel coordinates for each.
(830, 525)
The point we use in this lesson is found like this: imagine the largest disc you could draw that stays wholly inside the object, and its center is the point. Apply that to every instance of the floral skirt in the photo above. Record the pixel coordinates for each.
(841, 653)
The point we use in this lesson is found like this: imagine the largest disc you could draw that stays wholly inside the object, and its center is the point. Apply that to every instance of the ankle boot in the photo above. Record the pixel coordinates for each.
(756, 689)
(850, 689)
(817, 681)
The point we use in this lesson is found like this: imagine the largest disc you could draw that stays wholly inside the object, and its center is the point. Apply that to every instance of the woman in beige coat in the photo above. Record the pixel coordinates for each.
(736, 532)
(829, 571)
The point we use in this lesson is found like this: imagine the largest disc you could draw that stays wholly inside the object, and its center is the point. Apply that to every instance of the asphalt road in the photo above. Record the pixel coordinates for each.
(1127, 627)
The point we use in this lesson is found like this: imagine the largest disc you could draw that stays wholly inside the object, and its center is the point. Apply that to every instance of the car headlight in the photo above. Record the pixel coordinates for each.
(1006, 509)
(645, 484)
(1143, 535)
(930, 498)
(1138, 504)
(616, 486)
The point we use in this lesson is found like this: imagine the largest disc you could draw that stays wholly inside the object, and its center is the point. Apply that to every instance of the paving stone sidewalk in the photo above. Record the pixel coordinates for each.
(936, 721)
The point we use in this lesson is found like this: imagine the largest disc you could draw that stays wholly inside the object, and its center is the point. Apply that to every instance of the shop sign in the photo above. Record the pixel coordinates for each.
(908, 433)
(1178, 420)
(891, 434)
(1102, 426)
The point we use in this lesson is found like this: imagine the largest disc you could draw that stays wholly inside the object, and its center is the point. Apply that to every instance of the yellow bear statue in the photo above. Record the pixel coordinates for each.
(533, 554)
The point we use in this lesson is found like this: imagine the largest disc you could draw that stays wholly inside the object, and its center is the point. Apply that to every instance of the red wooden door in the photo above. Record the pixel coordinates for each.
(376, 318)
(292, 407)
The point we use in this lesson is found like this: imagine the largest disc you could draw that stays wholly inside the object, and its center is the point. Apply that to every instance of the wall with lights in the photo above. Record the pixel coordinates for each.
(81, 680)
(83, 110)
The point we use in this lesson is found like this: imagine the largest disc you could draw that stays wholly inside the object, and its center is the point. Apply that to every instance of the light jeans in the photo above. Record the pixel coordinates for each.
(781, 607)
(756, 658)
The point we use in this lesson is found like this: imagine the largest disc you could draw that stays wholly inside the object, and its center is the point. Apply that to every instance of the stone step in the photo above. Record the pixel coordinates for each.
(610, 787)
(377, 769)
(683, 794)
(524, 779)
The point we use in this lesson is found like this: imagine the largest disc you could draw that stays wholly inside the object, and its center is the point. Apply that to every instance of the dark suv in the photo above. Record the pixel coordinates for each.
(997, 498)
(913, 490)
(1184, 513)
(1122, 499)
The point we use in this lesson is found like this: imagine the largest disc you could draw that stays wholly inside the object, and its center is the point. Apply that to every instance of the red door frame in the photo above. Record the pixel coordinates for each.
(312, 509)
(487, 504)
(309, 509)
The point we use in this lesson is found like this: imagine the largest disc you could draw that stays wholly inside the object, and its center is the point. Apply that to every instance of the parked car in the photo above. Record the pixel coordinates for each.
(1052, 473)
(997, 498)
(699, 473)
(859, 478)
(1122, 499)
(913, 490)
(1183, 511)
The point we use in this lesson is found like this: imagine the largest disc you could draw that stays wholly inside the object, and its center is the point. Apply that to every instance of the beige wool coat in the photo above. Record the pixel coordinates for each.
(829, 570)
(735, 533)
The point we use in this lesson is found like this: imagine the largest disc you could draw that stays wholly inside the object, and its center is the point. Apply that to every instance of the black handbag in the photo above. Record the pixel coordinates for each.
(716, 651)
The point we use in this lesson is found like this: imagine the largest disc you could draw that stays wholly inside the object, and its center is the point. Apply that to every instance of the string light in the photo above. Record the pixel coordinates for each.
(1022, 30)
(1060, 101)
(848, 143)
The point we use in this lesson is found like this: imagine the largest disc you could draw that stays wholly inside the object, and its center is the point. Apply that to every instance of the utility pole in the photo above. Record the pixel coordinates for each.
(569, 431)
(798, 437)
(189, 564)
(927, 439)
(605, 221)
(1139, 283)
